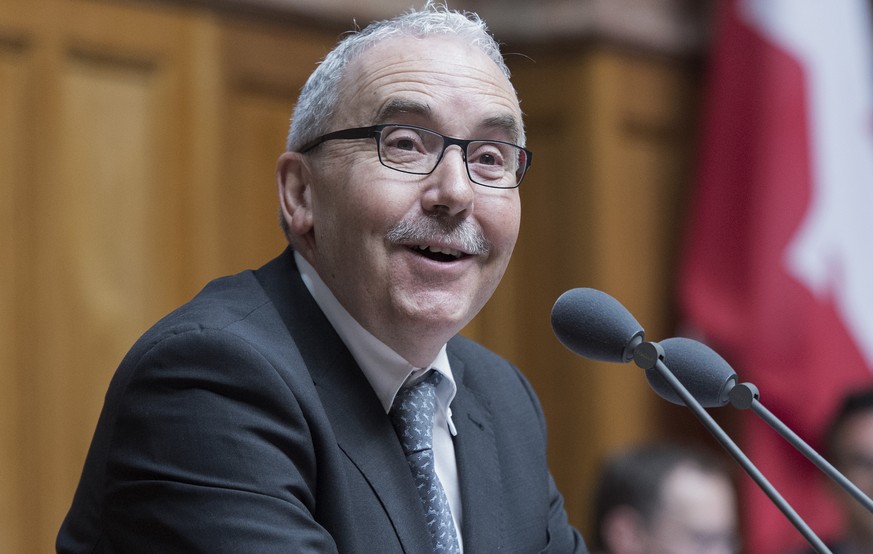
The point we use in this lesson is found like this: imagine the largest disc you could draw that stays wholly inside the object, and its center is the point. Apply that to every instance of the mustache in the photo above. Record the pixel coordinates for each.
(461, 233)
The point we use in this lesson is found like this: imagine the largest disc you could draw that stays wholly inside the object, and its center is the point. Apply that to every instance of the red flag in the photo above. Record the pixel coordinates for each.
(778, 267)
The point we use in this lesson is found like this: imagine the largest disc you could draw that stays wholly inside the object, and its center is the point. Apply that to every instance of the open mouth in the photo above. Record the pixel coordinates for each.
(438, 254)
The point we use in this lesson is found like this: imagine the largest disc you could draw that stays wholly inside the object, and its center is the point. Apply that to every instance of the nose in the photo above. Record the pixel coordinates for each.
(449, 188)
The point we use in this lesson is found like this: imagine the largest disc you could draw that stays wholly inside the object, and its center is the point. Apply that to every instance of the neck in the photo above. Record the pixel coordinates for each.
(418, 352)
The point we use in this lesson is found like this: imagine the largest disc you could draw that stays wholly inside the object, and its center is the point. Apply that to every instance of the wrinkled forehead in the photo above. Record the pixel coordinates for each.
(432, 80)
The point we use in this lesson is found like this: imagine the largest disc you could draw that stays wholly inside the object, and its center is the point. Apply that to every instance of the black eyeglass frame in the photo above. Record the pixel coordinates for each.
(375, 131)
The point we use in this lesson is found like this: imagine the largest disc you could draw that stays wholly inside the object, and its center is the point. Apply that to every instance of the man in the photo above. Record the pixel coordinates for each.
(271, 413)
(665, 498)
(849, 446)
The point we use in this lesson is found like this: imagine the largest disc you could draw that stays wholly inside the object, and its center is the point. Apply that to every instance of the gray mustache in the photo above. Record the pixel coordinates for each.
(462, 233)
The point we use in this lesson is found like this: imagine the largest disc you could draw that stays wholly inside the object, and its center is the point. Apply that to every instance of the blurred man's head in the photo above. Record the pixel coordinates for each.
(849, 446)
(665, 499)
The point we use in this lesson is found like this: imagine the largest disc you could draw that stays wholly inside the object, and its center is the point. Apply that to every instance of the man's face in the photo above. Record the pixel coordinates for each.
(697, 515)
(854, 445)
(410, 297)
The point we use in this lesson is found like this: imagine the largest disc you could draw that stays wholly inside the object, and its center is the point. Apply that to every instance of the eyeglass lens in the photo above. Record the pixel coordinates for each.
(418, 151)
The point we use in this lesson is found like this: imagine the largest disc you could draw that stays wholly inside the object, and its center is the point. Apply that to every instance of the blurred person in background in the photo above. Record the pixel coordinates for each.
(665, 498)
(848, 445)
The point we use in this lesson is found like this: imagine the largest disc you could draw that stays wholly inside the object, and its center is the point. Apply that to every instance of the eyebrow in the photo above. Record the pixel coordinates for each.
(506, 123)
(400, 106)
(403, 106)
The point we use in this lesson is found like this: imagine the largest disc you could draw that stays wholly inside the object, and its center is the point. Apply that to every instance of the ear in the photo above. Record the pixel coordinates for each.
(623, 531)
(293, 179)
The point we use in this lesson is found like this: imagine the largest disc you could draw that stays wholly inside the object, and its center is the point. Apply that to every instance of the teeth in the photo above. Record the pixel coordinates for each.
(436, 249)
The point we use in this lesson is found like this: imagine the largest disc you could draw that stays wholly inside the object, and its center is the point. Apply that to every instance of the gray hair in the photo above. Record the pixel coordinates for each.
(320, 96)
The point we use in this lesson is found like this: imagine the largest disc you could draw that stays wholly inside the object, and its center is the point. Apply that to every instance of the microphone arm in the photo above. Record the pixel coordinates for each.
(745, 396)
(648, 355)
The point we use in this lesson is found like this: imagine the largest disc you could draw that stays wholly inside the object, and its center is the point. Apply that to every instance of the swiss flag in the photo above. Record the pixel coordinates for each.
(777, 270)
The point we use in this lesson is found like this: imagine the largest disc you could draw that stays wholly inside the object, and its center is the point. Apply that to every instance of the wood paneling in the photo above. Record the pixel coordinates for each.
(261, 83)
(103, 226)
(16, 82)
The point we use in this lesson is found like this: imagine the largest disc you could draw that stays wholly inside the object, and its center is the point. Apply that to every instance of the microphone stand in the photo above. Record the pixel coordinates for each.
(745, 396)
(650, 355)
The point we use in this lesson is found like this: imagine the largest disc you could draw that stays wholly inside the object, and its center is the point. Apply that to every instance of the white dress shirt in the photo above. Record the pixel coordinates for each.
(387, 372)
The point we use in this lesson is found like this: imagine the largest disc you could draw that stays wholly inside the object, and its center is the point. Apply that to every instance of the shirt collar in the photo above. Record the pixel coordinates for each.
(385, 369)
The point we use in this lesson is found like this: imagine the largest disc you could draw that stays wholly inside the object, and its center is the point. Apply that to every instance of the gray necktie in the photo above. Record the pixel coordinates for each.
(412, 415)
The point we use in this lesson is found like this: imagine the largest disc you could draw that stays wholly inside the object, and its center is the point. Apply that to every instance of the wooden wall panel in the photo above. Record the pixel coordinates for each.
(103, 240)
(263, 71)
(16, 84)
(105, 205)
(249, 207)
(642, 159)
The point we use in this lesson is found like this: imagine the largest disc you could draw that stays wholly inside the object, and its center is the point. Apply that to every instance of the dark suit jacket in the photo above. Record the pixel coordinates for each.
(241, 423)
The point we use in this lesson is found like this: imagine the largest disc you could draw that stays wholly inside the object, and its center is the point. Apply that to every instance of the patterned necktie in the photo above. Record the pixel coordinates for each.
(412, 415)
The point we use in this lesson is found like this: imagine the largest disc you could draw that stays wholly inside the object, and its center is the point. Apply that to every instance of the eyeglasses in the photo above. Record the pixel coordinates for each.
(416, 150)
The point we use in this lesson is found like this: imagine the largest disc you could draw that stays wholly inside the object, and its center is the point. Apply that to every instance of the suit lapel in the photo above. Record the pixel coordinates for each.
(364, 432)
(478, 465)
(362, 428)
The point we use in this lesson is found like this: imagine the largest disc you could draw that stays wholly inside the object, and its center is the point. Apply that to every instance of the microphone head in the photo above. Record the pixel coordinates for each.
(595, 325)
(706, 375)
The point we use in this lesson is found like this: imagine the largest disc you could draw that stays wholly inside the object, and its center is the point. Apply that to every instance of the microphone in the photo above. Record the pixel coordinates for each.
(706, 375)
(594, 325)
(712, 381)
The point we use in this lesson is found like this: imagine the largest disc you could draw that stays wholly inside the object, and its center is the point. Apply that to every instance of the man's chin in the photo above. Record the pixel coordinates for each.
(436, 313)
